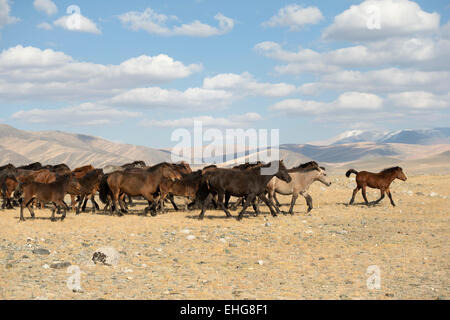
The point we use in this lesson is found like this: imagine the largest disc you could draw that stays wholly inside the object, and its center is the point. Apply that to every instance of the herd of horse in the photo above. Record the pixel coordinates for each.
(210, 187)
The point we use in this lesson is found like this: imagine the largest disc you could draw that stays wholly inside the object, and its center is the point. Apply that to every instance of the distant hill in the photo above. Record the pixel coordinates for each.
(51, 147)
(407, 136)
(412, 149)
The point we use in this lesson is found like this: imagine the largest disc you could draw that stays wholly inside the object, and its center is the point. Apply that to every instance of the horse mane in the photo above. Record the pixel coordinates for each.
(306, 167)
(390, 170)
(82, 168)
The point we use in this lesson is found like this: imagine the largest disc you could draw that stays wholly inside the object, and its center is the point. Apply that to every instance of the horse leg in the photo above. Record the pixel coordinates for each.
(205, 205)
(65, 208)
(85, 198)
(73, 202)
(308, 201)
(294, 198)
(364, 195)
(172, 200)
(255, 205)
(268, 203)
(276, 200)
(97, 207)
(220, 196)
(82, 197)
(130, 201)
(30, 207)
(53, 218)
(94, 204)
(381, 197)
(390, 197)
(249, 201)
(21, 211)
(355, 191)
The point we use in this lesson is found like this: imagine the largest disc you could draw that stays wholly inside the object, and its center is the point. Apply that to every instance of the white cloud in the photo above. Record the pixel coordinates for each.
(217, 92)
(245, 84)
(85, 114)
(5, 17)
(421, 53)
(295, 17)
(45, 26)
(77, 22)
(347, 101)
(381, 19)
(380, 81)
(419, 100)
(156, 23)
(29, 72)
(155, 97)
(233, 121)
(47, 6)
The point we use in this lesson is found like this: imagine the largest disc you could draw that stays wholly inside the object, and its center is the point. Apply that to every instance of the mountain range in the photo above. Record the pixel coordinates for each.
(420, 151)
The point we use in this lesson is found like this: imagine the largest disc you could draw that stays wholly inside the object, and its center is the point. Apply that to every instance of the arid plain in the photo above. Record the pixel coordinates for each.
(322, 255)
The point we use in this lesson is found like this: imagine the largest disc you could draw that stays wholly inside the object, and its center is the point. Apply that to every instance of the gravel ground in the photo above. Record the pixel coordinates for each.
(322, 255)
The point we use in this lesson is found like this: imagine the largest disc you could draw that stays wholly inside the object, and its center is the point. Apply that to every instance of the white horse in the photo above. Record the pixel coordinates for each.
(302, 178)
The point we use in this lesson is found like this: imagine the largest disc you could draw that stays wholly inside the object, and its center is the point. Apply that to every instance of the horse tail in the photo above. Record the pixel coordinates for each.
(350, 171)
(104, 189)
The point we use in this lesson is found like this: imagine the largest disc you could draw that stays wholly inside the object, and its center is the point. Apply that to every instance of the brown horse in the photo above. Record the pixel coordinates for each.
(136, 182)
(81, 171)
(89, 186)
(250, 183)
(9, 184)
(187, 187)
(381, 180)
(47, 192)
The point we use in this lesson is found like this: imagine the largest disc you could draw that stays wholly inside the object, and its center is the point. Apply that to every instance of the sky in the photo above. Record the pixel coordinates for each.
(135, 71)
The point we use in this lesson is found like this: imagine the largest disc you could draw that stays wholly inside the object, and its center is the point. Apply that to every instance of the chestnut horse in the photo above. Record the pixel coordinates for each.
(381, 180)
(135, 182)
(47, 192)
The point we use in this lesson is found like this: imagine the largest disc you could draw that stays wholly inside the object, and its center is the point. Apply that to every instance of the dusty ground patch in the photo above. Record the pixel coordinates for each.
(324, 255)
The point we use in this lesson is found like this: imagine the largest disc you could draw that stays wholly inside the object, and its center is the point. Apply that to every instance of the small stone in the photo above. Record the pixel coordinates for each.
(41, 251)
(190, 237)
(60, 265)
(268, 224)
(260, 262)
(107, 256)
(45, 266)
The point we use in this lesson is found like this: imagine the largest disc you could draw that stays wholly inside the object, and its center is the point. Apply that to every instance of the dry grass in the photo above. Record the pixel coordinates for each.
(324, 255)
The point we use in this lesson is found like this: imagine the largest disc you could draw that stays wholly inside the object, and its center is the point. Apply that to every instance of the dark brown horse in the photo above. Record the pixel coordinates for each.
(250, 183)
(47, 192)
(8, 185)
(31, 166)
(381, 180)
(89, 186)
(81, 171)
(187, 187)
(135, 182)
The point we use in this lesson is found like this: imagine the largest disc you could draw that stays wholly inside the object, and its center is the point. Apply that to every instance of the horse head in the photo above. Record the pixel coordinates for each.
(400, 174)
(282, 172)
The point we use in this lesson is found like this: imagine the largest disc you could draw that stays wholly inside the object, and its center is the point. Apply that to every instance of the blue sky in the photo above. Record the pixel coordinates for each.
(133, 71)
